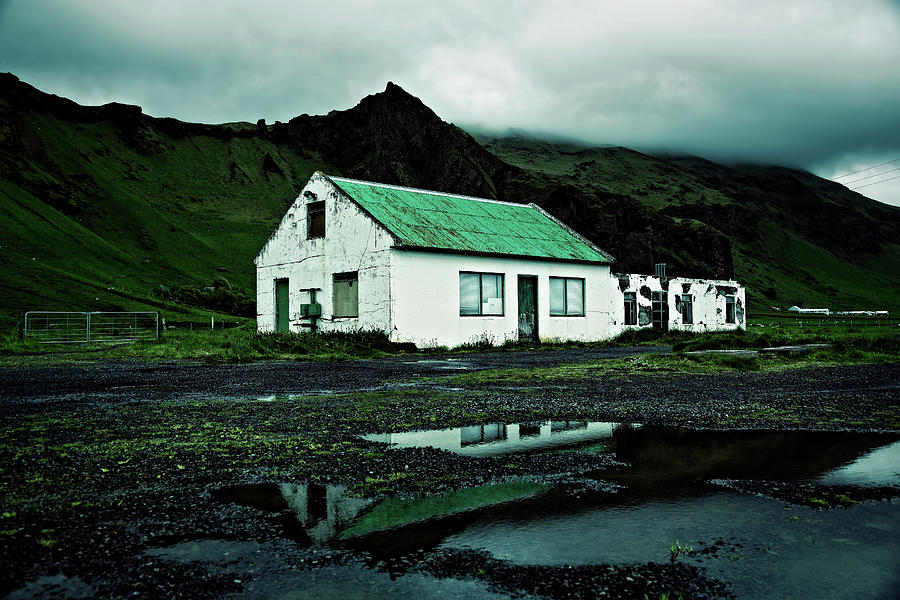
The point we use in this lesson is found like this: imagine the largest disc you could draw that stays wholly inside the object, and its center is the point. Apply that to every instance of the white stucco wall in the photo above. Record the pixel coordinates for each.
(708, 296)
(708, 299)
(425, 299)
(352, 242)
(414, 295)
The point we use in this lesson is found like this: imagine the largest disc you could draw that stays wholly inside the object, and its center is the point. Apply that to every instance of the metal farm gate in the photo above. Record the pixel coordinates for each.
(79, 327)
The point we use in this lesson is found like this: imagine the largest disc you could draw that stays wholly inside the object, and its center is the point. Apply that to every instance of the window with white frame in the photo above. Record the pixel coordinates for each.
(345, 292)
(480, 294)
(729, 309)
(566, 297)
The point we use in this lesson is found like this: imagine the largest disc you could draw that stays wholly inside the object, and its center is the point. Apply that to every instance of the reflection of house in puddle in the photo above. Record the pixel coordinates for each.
(500, 438)
(322, 510)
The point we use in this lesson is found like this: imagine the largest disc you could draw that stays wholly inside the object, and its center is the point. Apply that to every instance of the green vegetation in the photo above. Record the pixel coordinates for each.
(100, 217)
(242, 343)
(394, 512)
(109, 209)
(795, 239)
(846, 345)
(221, 296)
(676, 550)
(843, 348)
(824, 499)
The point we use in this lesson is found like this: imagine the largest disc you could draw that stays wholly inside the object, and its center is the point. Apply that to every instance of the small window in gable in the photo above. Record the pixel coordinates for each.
(346, 295)
(315, 220)
(566, 297)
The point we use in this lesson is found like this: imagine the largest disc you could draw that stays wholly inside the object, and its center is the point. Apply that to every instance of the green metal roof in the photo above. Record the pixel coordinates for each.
(436, 221)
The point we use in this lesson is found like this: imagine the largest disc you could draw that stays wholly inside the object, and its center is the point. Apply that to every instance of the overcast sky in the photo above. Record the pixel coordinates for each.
(814, 84)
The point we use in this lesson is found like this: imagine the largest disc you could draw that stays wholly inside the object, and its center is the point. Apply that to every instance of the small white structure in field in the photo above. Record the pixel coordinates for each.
(810, 311)
(433, 269)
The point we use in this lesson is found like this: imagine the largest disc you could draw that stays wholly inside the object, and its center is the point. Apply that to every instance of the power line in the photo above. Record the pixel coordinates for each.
(875, 183)
(880, 174)
(866, 169)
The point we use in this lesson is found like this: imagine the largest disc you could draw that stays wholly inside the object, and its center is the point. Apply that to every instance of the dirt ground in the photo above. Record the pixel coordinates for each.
(102, 462)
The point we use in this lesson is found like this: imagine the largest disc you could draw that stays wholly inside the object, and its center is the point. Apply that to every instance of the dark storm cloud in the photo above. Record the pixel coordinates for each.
(810, 84)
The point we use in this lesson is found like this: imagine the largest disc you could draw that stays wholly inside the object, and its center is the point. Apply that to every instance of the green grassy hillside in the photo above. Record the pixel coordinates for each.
(105, 208)
(795, 238)
(102, 216)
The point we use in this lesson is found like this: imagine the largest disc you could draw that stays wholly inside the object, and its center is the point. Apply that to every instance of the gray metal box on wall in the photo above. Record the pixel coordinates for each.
(311, 310)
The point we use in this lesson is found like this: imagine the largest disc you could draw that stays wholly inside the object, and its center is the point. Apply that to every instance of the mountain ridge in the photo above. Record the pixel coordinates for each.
(144, 203)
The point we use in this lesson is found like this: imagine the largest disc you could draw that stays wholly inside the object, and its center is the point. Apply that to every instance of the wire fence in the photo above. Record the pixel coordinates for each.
(837, 323)
(82, 327)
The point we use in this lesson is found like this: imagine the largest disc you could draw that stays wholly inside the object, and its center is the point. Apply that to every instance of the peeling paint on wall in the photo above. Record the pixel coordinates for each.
(645, 315)
(707, 303)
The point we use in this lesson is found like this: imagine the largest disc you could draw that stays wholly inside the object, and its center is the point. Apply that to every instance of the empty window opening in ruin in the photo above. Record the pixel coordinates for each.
(630, 308)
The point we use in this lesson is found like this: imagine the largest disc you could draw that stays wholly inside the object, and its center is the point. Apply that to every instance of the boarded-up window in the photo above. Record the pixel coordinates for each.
(480, 294)
(315, 220)
(630, 308)
(729, 309)
(687, 309)
(566, 297)
(346, 295)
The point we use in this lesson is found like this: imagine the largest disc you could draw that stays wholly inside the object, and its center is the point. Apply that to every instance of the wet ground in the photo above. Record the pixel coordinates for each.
(256, 481)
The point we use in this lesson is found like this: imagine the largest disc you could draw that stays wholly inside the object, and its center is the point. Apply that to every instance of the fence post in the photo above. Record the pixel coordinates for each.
(87, 330)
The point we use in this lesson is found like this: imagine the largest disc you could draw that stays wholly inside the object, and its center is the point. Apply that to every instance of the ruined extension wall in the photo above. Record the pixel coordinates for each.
(709, 301)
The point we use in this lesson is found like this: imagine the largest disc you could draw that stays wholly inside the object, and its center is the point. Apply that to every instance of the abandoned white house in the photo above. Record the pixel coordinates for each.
(441, 269)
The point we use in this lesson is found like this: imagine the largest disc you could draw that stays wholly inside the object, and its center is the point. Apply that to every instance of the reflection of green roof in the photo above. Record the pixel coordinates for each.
(420, 219)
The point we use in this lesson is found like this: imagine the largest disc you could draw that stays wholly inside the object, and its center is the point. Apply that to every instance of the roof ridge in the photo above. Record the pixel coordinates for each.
(431, 192)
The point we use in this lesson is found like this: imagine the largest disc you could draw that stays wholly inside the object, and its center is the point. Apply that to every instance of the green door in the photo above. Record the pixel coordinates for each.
(282, 303)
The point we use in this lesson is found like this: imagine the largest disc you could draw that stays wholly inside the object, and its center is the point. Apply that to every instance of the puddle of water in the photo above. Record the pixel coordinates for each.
(452, 364)
(322, 515)
(53, 586)
(321, 511)
(764, 551)
(265, 574)
(496, 439)
(660, 457)
(764, 547)
(878, 467)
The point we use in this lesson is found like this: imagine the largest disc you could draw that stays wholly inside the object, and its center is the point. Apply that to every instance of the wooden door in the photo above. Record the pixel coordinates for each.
(282, 305)
(528, 317)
